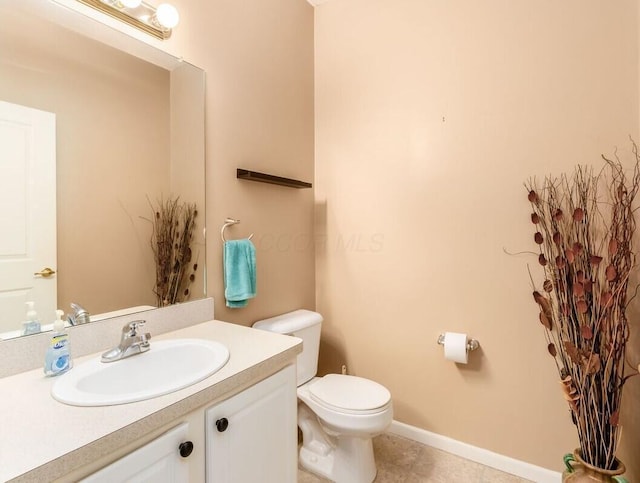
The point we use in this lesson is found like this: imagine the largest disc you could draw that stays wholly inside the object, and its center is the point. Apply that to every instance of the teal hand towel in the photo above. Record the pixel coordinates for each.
(239, 259)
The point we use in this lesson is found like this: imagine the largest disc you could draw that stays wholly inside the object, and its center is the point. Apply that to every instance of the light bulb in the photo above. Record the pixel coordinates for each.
(131, 3)
(167, 15)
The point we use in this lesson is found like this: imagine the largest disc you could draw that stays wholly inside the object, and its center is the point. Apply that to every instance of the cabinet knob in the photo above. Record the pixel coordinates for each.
(222, 424)
(185, 448)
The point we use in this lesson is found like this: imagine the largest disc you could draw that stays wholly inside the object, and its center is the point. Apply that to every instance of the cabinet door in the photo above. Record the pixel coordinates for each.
(252, 437)
(156, 462)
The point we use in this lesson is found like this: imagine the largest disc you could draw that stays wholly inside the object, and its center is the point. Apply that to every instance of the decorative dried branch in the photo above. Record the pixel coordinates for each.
(173, 224)
(586, 254)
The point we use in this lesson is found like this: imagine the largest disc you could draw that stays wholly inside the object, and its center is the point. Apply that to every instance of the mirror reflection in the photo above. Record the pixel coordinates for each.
(93, 140)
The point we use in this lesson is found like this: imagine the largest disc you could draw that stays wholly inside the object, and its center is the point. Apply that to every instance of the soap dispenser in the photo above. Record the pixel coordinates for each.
(57, 359)
(32, 324)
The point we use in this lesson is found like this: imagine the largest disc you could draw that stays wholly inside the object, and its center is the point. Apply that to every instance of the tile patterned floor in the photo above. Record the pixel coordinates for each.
(401, 460)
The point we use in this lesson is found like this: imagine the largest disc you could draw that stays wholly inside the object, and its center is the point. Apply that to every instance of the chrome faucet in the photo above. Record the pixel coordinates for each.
(131, 343)
(80, 315)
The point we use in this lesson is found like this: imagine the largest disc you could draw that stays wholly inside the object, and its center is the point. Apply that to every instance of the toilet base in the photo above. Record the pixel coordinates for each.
(320, 465)
(342, 459)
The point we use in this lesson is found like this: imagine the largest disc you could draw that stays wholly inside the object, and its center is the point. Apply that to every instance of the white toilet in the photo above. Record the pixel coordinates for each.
(337, 414)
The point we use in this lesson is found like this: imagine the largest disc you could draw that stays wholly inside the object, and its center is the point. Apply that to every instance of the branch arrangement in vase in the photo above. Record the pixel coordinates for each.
(584, 230)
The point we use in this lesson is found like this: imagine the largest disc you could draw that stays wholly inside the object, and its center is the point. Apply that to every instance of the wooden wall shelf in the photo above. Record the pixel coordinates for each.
(271, 179)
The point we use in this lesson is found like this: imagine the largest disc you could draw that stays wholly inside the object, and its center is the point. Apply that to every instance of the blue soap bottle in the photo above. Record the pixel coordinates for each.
(58, 359)
(32, 324)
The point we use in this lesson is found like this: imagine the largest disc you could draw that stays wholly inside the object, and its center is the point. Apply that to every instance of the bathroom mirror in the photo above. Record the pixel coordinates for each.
(129, 132)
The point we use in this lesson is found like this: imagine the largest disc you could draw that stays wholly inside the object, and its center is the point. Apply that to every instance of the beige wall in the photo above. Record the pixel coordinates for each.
(258, 57)
(429, 118)
(112, 114)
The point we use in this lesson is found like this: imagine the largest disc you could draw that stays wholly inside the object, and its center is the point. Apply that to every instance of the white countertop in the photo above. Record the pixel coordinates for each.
(43, 439)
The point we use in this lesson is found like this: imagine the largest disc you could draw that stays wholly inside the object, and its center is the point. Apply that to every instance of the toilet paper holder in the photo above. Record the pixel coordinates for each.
(472, 344)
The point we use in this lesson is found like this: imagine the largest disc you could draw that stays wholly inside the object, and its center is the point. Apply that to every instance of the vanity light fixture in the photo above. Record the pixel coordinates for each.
(156, 21)
(123, 3)
(166, 16)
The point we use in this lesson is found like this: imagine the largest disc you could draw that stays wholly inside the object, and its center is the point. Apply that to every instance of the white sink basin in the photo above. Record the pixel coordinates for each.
(168, 366)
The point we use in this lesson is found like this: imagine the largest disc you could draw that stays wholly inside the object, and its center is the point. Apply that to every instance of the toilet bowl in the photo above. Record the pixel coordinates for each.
(338, 415)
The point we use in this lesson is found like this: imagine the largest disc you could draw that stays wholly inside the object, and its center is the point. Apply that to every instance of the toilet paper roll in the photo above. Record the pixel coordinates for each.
(455, 347)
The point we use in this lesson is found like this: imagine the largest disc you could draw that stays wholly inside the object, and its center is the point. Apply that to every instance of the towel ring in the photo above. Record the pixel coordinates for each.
(229, 222)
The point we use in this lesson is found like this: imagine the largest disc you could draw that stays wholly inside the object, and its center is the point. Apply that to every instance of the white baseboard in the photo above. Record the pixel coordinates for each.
(473, 453)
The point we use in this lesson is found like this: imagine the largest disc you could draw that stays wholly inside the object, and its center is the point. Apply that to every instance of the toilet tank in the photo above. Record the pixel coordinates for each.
(306, 325)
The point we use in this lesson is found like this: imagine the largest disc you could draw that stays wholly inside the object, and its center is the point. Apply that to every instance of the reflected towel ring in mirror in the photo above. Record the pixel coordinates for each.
(229, 222)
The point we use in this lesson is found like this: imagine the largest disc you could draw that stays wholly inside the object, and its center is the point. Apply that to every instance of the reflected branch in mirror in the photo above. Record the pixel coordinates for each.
(173, 224)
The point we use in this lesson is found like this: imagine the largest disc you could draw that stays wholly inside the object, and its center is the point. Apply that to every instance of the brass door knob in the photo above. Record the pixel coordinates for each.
(45, 272)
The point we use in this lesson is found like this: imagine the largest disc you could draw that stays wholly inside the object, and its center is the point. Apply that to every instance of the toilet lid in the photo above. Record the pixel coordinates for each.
(349, 393)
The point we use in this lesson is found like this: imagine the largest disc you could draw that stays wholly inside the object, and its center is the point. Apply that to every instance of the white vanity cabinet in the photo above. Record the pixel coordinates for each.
(249, 437)
(252, 436)
(163, 460)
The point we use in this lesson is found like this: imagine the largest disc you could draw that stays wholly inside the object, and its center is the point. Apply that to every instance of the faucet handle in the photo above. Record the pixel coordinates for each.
(131, 329)
(144, 339)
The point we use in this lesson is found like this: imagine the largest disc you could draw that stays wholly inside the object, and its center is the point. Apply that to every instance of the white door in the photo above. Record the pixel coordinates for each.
(27, 213)
(253, 437)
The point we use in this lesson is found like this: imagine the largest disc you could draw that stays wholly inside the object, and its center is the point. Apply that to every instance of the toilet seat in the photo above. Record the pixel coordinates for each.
(350, 394)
